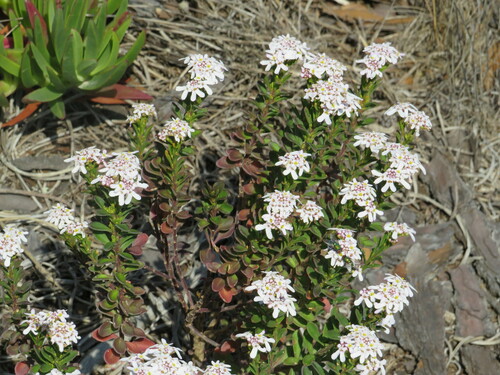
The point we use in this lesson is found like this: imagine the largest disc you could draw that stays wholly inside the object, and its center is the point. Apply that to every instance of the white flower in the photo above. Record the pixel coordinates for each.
(63, 218)
(11, 243)
(418, 120)
(360, 343)
(282, 49)
(274, 221)
(124, 164)
(273, 290)
(259, 342)
(87, 155)
(374, 140)
(360, 192)
(125, 190)
(371, 211)
(309, 212)
(377, 56)
(177, 128)
(390, 177)
(318, 65)
(403, 109)
(388, 298)
(205, 71)
(218, 368)
(294, 162)
(334, 97)
(281, 203)
(141, 110)
(399, 230)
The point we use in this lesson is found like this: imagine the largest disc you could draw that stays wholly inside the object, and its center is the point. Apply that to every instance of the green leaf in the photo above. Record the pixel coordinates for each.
(28, 71)
(308, 359)
(59, 35)
(108, 57)
(72, 58)
(313, 330)
(17, 35)
(341, 318)
(100, 227)
(44, 94)
(57, 108)
(226, 208)
(291, 361)
(8, 65)
(296, 345)
(77, 12)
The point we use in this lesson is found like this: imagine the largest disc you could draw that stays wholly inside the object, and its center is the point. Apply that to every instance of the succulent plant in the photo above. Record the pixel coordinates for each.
(72, 46)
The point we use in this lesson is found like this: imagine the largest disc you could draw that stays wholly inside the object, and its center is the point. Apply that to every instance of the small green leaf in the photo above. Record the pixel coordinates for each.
(57, 108)
(313, 330)
(100, 227)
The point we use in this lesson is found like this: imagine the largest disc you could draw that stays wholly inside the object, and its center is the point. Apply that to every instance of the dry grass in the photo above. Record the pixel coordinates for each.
(450, 71)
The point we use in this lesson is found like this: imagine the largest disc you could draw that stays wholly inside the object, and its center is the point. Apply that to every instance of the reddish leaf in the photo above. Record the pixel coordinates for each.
(22, 368)
(140, 345)
(111, 357)
(25, 113)
(223, 164)
(165, 228)
(218, 284)
(139, 242)
(118, 91)
(8, 43)
(106, 100)
(328, 305)
(222, 235)
(243, 214)
(234, 155)
(249, 188)
(232, 280)
(207, 255)
(96, 336)
(227, 347)
(226, 294)
(32, 13)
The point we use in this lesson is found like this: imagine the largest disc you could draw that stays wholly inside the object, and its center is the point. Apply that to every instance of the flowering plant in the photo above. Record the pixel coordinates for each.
(281, 247)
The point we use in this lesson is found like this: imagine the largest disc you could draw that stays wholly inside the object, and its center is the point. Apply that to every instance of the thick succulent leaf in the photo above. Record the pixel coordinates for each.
(77, 13)
(37, 23)
(91, 42)
(132, 53)
(44, 94)
(72, 58)
(85, 67)
(9, 66)
(117, 6)
(57, 108)
(122, 28)
(40, 60)
(59, 35)
(30, 75)
(40, 41)
(56, 80)
(107, 77)
(109, 56)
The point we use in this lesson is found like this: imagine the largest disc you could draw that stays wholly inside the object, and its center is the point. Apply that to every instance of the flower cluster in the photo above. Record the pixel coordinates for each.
(334, 97)
(87, 155)
(64, 219)
(281, 205)
(282, 49)
(273, 290)
(411, 116)
(11, 243)
(377, 56)
(319, 65)
(397, 230)
(259, 342)
(388, 298)
(166, 359)
(344, 252)
(141, 110)
(177, 128)
(205, 72)
(309, 212)
(361, 343)
(122, 174)
(364, 196)
(375, 141)
(54, 323)
(295, 163)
